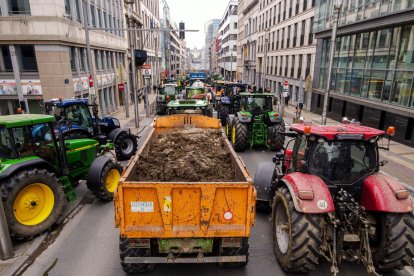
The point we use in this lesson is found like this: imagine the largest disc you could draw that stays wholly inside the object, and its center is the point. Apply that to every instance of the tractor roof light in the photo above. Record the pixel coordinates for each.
(306, 195)
(391, 131)
(345, 120)
(301, 120)
(402, 194)
(307, 130)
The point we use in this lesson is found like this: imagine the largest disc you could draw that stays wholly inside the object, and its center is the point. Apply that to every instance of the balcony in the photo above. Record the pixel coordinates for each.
(249, 63)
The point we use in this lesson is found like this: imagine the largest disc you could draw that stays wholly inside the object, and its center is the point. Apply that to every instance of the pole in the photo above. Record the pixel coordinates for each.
(132, 40)
(6, 248)
(92, 96)
(147, 87)
(331, 56)
(16, 73)
(265, 60)
(282, 101)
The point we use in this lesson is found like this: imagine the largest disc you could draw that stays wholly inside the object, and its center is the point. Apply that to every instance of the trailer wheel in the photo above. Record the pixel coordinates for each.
(235, 251)
(223, 113)
(228, 127)
(33, 202)
(239, 135)
(126, 251)
(297, 235)
(396, 246)
(276, 141)
(125, 145)
(103, 178)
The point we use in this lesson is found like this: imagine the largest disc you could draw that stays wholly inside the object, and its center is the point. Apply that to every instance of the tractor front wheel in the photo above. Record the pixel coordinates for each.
(125, 250)
(297, 235)
(33, 201)
(396, 246)
(125, 145)
(276, 141)
(239, 135)
(103, 178)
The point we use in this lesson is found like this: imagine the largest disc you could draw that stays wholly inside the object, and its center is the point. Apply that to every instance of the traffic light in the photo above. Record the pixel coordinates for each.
(140, 57)
(182, 28)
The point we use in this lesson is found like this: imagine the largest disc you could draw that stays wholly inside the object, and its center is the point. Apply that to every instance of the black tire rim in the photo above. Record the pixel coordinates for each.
(127, 146)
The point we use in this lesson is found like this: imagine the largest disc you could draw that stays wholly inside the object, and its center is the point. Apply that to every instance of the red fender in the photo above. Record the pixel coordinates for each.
(301, 185)
(378, 194)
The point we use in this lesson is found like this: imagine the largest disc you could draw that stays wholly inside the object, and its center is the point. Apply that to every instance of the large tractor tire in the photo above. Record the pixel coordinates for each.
(297, 235)
(235, 251)
(103, 178)
(396, 246)
(33, 201)
(125, 145)
(228, 126)
(239, 135)
(276, 141)
(223, 113)
(125, 250)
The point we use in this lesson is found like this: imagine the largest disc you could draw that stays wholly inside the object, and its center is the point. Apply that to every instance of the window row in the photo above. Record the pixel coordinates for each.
(289, 66)
(289, 37)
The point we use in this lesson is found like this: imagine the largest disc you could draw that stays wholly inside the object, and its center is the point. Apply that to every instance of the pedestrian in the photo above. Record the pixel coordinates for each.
(254, 88)
(260, 90)
(287, 98)
(154, 87)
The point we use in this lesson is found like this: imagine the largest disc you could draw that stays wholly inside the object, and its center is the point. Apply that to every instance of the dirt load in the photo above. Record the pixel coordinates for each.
(187, 155)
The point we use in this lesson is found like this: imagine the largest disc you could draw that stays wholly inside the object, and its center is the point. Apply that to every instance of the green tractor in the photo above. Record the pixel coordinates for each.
(166, 93)
(38, 170)
(256, 124)
(195, 101)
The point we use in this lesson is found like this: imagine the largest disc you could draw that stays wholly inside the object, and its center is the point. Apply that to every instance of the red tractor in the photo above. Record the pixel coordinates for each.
(329, 200)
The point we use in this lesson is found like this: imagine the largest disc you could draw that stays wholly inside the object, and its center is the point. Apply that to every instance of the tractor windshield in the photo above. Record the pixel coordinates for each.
(169, 90)
(343, 162)
(258, 104)
(193, 92)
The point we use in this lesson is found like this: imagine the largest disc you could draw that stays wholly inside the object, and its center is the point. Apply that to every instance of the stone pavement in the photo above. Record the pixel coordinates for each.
(24, 250)
(400, 157)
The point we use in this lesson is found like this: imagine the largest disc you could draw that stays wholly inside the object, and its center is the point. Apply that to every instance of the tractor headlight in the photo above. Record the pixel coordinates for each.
(116, 122)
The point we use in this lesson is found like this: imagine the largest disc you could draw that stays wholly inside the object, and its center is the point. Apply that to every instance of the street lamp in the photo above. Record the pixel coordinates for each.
(336, 9)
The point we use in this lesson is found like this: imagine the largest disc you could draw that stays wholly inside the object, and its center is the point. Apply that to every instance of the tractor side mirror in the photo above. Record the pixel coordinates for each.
(383, 163)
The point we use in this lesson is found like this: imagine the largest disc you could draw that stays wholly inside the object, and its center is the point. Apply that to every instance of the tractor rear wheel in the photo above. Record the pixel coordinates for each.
(223, 113)
(125, 145)
(239, 135)
(125, 250)
(396, 246)
(297, 235)
(33, 201)
(229, 122)
(103, 178)
(235, 251)
(276, 141)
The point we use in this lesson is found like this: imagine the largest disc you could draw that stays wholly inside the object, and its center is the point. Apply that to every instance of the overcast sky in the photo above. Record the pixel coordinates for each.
(194, 13)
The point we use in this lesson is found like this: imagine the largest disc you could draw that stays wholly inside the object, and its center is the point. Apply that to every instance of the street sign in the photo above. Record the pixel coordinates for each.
(146, 71)
(285, 85)
(121, 87)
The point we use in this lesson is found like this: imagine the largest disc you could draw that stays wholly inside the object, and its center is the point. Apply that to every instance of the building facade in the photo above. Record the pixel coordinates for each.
(43, 52)
(227, 34)
(373, 65)
(210, 31)
(285, 46)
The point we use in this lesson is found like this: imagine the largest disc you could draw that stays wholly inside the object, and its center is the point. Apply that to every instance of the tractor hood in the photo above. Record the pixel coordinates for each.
(193, 103)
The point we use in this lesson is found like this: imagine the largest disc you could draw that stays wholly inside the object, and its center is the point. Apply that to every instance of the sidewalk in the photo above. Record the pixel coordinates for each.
(400, 157)
(130, 122)
(24, 251)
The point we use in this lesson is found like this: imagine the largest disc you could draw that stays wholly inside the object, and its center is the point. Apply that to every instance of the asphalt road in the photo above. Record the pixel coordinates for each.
(88, 245)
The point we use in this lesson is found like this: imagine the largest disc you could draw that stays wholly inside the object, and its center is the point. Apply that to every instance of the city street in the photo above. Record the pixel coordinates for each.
(88, 245)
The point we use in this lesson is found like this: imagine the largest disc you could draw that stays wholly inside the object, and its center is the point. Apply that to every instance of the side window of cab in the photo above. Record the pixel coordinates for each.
(299, 151)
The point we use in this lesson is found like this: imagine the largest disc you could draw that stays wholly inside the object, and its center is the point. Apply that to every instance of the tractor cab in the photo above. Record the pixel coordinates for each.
(166, 93)
(195, 92)
(256, 103)
(234, 89)
(341, 155)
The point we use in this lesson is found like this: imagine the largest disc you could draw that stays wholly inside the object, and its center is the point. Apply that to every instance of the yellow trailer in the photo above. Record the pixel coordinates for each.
(183, 222)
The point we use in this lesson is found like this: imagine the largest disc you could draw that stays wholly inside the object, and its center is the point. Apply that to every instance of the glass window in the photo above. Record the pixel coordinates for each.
(27, 57)
(393, 47)
(18, 7)
(82, 65)
(356, 82)
(347, 80)
(402, 89)
(406, 48)
(380, 59)
(67, 7)
(375, 84)
(387, 86)
(371, 47)
(72, 55)
(77, 11)
(93, 16)
(299, 151)
(5, 52)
